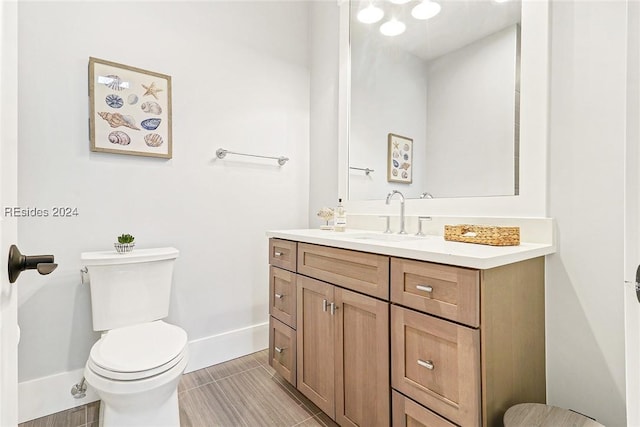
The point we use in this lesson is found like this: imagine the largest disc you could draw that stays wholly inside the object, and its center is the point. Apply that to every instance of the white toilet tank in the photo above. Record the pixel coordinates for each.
(128, 289)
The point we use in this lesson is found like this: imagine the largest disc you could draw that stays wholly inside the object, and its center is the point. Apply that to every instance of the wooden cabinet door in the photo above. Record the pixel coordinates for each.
(283, 254)
(282, 349)
(407, 413)
(362, 359)
(359, 271)
(437, 363)
(315, 333)
(282, 295)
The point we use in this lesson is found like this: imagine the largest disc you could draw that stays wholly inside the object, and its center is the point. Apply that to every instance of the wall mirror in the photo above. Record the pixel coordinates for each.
(434, 108)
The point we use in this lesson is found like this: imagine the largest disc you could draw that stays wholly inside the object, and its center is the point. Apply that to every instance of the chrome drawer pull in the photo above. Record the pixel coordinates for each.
(277, 254)
(279, 296)
(279, 350)
(428, 364)
(424, 288)
(333, 308)
(325, 303)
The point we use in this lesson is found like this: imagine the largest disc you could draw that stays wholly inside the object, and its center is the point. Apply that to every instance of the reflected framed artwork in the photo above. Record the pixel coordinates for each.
(130, 110)
(399, 159)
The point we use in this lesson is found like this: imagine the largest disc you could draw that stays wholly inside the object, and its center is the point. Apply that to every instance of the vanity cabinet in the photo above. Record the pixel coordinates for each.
(378, 340)
(343, 336)
(282, 308)
(468, 344)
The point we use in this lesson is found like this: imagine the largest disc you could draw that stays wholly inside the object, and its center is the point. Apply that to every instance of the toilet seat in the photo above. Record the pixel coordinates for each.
(139, 351)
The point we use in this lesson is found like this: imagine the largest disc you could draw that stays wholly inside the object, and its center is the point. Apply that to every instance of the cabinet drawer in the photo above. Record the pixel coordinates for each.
(407, 413)
(282, 295)
(282, 253)
(436, 363)
(359, 271)
(441, 290)
(282, 349)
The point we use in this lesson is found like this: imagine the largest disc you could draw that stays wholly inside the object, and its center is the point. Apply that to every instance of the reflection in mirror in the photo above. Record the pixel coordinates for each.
(448, 85)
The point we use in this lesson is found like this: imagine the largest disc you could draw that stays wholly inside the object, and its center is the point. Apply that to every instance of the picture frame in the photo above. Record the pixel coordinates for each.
(399, 159)
(130, 110)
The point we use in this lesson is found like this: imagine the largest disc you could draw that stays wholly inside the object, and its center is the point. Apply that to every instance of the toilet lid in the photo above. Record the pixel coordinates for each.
(139, 348)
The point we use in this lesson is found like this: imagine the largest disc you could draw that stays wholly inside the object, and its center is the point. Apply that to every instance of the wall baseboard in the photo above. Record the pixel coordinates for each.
(229, 345)
(47, 395)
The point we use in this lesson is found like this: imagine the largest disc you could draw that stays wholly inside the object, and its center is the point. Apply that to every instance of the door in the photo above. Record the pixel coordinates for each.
(362, 360)
(8, 197)
(315, 343)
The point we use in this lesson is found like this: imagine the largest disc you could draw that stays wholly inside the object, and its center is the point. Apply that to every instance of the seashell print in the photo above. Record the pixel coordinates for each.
(153, 140)
(132, 99)
(406, 147)
(406, 157)
(405, 175)
(151, 107)
(396, 164)
(405, 165)
(119, 137)
(151, 124)
(394, 172)
(114, 82)
(395, 154)
(114, 101)
(116, 119)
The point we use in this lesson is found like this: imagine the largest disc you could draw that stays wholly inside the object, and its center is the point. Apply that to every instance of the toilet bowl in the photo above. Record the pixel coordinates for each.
(137, 363)
(135, 370)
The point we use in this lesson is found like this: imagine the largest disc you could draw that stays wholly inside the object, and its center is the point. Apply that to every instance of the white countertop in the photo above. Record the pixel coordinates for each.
(427, 248)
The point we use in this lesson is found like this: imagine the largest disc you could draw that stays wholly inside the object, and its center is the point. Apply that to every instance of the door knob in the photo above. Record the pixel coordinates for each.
(18, 263)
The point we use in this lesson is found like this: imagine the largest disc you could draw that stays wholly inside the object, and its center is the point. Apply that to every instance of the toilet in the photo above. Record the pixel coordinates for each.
(137, 363)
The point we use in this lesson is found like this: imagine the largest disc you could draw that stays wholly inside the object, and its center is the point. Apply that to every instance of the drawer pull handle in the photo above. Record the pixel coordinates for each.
(279, 350)
(333, 309)
(325, 303)
(424, 288)
(277, 253)
(279, 296)
(426, 364)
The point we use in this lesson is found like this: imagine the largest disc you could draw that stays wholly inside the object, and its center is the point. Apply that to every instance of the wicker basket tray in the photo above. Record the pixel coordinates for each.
(483, 234)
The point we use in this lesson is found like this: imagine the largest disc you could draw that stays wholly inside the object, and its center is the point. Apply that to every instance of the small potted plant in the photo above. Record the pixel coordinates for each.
(125, 243)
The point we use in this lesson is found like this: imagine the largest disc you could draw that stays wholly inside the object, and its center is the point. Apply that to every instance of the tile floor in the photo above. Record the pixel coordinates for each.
(241, 392)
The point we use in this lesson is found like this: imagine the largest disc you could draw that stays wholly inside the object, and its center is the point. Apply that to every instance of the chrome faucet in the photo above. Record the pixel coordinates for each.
(389, 197)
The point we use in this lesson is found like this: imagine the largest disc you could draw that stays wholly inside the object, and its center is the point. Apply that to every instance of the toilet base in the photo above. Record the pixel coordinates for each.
(166, 415)
(149, 402)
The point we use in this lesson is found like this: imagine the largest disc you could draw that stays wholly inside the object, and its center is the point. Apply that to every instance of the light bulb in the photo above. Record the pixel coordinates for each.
(392, 28)
(426, 9)
(370, 14)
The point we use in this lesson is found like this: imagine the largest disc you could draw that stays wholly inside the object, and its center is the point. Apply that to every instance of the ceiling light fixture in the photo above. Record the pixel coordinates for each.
(370, 14)
(426, 9)
(399, 1)
(392, 27)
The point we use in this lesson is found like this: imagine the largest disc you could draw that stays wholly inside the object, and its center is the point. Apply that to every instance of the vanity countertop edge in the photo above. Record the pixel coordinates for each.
(428, 248)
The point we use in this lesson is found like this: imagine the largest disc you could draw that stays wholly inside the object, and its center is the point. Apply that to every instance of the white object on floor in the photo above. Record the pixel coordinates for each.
(136, 365)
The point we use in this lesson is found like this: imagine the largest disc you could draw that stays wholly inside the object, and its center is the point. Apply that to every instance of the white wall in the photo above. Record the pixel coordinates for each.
(388, 95)
(585, 324)
(323, 62)
(240, 81)
(470, 119)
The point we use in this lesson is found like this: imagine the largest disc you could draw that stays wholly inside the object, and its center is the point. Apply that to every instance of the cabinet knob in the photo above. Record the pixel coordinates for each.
(279, 296)
(426, 288)
(325, 304)
(279, 349)
(277, 253)
(426, 364)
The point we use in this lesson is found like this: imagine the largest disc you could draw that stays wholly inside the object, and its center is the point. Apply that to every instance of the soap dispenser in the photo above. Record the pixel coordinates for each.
(340, 217)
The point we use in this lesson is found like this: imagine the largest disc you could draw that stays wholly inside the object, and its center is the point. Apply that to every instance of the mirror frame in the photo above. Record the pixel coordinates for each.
(534, 87)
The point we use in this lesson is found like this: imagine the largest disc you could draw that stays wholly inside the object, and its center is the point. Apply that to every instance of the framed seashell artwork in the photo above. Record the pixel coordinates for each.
(399, 159)
(130, 110)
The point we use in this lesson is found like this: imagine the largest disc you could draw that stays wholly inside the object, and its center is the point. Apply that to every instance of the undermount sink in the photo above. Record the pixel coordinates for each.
(381, 237)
